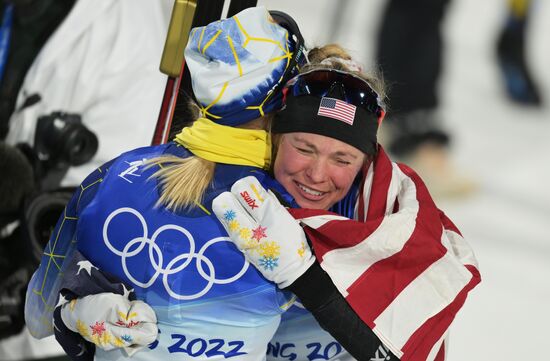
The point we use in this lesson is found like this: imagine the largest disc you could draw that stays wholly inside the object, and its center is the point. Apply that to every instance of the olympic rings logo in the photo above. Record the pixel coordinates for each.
(154, 250)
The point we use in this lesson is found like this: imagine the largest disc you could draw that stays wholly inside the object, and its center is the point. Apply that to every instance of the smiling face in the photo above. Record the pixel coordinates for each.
(317, 171)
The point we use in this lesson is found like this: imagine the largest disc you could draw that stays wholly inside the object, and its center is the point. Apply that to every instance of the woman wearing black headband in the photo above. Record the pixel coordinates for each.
(323, 138)
(328, 158)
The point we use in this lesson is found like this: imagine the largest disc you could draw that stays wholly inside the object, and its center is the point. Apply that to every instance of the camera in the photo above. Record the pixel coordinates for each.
(61, 141)
(31, 201)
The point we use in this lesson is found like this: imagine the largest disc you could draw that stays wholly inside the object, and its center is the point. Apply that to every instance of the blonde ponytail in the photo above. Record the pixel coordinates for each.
(183, 181)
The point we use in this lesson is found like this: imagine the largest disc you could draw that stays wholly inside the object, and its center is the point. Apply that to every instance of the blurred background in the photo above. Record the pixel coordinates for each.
(469, 94)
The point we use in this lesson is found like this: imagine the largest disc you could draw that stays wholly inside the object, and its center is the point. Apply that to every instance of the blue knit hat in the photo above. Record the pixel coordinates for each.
(236, 63)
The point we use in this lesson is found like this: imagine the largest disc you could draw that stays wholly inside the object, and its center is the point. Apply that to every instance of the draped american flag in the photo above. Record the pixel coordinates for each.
(403, 266)
(337, 109)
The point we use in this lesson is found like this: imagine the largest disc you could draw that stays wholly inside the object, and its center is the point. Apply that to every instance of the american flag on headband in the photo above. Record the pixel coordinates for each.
(337, 109)
(403, 267)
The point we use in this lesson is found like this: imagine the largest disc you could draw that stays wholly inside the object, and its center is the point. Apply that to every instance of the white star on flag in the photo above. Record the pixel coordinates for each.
(86, 265)
(127, 291)
(62, 301)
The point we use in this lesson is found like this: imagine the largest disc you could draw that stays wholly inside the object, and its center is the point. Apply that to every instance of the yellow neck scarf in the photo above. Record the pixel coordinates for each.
(228, 145)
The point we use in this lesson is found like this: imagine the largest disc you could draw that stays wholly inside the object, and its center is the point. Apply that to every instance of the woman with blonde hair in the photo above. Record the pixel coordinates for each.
(145, 219)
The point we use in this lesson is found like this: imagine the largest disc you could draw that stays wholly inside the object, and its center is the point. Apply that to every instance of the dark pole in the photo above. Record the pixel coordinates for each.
(237, 5)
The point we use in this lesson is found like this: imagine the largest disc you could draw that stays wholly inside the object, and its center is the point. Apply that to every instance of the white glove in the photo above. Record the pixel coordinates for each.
(270, 238)
(111, 321)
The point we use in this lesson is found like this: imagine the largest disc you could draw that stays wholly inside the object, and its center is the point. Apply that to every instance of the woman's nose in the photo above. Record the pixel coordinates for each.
(317, 171)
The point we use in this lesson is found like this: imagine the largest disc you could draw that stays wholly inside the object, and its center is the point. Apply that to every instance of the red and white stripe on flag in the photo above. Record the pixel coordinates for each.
(405, 269)
(337, 109)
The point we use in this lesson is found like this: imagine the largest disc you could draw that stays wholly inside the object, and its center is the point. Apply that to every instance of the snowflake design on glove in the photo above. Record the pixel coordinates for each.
(229, 215)
(101, 340)
(244, 233)
(82, 328)
(270, 249)
(72, 304)
(251, 245)
(98, 328)
(302, 250)
(105, 338)
(259, 233)
(233, 225)
(269, 263)
(126, 338)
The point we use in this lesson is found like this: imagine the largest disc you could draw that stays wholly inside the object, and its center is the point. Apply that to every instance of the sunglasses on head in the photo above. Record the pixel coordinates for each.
(324, 82)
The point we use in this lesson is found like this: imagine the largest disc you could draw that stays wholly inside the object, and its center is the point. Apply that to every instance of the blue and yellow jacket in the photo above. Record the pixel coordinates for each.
(210, 303)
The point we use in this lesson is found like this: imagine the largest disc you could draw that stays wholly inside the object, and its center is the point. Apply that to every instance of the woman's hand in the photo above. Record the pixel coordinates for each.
(270, 238)
(111, 321)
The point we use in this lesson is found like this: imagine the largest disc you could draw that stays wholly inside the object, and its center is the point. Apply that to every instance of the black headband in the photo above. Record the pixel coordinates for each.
(301, 114)
(333, 103)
